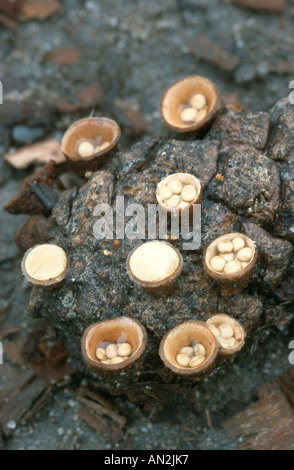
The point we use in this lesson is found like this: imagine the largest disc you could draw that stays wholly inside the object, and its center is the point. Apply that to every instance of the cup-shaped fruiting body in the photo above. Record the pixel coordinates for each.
(190, 103)
(113, 345)
(45, 265)
(190, 335)
(88, 142)
(229, 333)
(155, 266)
(178, 192)
(230, 259)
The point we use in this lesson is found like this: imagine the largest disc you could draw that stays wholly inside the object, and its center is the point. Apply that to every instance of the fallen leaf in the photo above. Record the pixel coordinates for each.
(39, 9)
(276, 6)
(203, 48)
(41, 152)
(129, 117)
(6, 329)
(63, 56)
(92, 95)
(11, 9)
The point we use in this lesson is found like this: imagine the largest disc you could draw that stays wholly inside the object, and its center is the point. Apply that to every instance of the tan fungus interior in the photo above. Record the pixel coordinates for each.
(220, 318)
(185, 178)
(212, 249)
(181, 92)
(185, 335)
(89, 128)
(111, 331)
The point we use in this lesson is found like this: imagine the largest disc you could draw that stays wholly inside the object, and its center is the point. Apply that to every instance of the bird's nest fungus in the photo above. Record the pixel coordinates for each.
(245, 165)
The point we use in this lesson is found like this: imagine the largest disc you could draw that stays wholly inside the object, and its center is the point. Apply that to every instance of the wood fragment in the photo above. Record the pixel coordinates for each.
(192, 431)
(55, 353)
(39, 9)
(286, 384)
(282, 67)
(13, 349)
(63, 56)
(8, 23)
(266, 424)
(7, 329)
(38, 192)
(275, 6)
(93, 401)
(205, 49)
(95, 422)
(91, 96)
(21, 406)
(41, 152)
(208, 418)
(17, 378)
(50, 373)
(10, 8)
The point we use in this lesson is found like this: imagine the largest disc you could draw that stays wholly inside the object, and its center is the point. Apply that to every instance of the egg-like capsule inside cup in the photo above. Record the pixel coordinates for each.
(233, 267)
(238, 243)
(165, 193)
(198, 101)
(176, 186)
(245, 254)
(107, 335)
(85, 148)
(218, 263)
(224, 246)
(188, 115)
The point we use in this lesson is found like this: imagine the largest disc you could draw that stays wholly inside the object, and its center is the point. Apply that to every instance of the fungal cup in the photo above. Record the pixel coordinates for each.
(188, 334)
(217, 324)
(45, 265)
(155, 266)
(95, 139)
(178, 98)
(118, 331)
(233, 274)
(178, 192)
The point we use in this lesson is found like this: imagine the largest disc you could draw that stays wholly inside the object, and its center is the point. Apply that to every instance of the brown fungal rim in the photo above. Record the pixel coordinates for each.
(163, 282)
(97, 123)
(239, 275)
(114, 327)
(239, 330)
(184, 178)
(195, 84)
(181, 335)
(49, 282)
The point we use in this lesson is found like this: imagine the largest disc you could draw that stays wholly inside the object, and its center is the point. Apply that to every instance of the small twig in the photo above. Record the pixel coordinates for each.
(208, 419)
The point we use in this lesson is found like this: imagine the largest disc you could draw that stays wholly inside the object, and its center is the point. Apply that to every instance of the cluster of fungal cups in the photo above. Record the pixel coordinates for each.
(191, 356)
(88, 147)
(195, 110)
(113, 353)
(232, 256)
